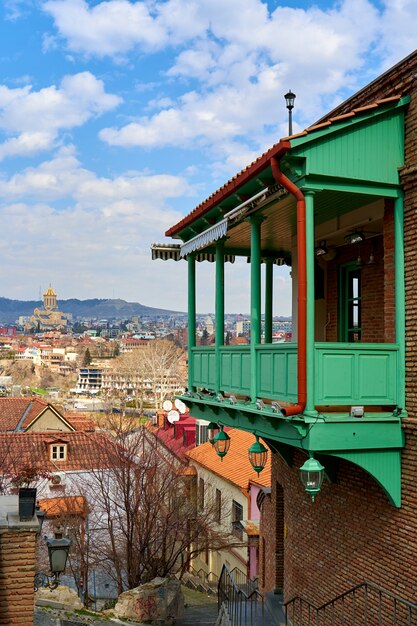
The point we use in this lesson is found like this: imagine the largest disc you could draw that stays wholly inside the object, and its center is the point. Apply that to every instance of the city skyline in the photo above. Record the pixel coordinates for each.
(117, 118)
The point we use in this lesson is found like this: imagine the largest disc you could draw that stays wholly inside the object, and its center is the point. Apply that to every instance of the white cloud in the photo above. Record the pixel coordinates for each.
(34, 118)
(99, 242)
(398, 31)
(242, 79)
(108, 28)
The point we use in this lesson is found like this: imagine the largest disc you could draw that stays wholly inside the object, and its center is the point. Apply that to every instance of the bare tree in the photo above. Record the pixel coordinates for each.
(161, 362)
(144, 509)
(150, 372)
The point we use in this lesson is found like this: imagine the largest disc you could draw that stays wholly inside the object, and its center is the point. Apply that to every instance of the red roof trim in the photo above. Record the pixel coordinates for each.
(231, 186)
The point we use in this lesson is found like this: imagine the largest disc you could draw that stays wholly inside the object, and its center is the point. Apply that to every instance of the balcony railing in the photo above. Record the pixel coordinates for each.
(345, 373)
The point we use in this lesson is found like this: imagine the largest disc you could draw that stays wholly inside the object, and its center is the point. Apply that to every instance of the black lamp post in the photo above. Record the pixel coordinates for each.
(58, 550)
(289, 99)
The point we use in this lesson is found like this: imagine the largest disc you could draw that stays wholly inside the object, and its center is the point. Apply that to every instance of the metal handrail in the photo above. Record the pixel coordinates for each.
(244, 604)
(308, 613)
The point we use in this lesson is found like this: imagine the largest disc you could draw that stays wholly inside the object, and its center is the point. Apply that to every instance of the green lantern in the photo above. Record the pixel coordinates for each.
(312, 474)
(258, 455)
(221, 443)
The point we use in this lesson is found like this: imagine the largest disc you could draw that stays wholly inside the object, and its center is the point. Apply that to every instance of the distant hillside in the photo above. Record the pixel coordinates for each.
(10, 310)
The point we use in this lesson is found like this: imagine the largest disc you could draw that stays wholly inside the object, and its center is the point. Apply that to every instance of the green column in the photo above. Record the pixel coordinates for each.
(269, 274)
(191, 319)
(219, 332)
(309, 197)
(400, 295)
(255, 314)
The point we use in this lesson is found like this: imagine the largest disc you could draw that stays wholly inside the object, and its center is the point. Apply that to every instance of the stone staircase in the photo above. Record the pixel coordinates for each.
(198, 583)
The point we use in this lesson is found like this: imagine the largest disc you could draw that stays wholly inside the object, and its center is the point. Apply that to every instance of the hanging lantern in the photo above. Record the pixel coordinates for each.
(211, 431)
(258, 455)
(312, 474)
(221, 443)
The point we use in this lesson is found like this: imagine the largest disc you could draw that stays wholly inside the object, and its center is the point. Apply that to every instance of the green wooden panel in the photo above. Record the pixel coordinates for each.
(204, 367)
(377, 377)
(335, 378)
(356, 374)
(369, 149)
(277, 366)
(235, 366)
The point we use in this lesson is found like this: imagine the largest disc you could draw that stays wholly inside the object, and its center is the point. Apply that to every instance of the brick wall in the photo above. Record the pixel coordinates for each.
(351, 532)
(17, 569)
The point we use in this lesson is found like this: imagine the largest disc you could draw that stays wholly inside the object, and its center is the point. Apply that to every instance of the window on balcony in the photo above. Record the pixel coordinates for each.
(350, 304)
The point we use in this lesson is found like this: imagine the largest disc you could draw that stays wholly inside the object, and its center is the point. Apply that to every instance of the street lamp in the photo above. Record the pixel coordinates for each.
(221, 443)
(58, 550)
(289, 99)
(258, 455)
(211, 428)
(312, 474)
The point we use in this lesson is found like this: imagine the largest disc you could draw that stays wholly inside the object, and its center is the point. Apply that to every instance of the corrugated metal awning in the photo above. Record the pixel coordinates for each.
(212, 234)
(171, 252)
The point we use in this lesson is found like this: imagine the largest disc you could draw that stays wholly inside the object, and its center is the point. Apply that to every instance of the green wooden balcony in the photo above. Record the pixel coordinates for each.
(345, 373)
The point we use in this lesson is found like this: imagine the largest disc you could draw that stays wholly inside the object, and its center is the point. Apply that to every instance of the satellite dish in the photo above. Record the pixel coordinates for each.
(179, 404)
(167, 405)
(173, 416)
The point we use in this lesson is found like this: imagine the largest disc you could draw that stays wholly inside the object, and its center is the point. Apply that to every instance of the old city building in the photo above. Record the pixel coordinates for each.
(339, 201)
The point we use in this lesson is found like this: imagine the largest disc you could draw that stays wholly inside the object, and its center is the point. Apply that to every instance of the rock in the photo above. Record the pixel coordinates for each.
(157, 602)
(60, 598)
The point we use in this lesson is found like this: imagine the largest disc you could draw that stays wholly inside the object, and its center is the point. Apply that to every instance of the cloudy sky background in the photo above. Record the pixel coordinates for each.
(118, 117)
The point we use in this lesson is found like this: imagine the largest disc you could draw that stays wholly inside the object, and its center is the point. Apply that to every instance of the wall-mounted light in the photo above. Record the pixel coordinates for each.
(311, 475)
(258, 455)
(221, 443)
(356, 236)
(220, 397)
(321, 249)
(232, 399)
(260, 404)
(58, 550)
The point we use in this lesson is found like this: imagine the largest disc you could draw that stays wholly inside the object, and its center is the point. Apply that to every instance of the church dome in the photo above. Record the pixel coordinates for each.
(49, 292)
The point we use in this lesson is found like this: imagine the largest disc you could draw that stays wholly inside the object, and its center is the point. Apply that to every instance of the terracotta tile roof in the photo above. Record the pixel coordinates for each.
(86, 450)
(12, 410)
(16, 414)
(235, 466)
(66, 505)
(277, 150)
(80, 422)
(231, 186)
(251, 528)
(340, 118)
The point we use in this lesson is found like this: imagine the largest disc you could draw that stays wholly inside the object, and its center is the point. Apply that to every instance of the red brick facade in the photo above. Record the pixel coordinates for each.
(350, 534)
(17, 570)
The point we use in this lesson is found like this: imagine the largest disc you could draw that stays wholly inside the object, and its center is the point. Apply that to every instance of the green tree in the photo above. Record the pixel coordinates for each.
(87, 358)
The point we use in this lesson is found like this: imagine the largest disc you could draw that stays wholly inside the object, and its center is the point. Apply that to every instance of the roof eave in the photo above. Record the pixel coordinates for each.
(277, 151)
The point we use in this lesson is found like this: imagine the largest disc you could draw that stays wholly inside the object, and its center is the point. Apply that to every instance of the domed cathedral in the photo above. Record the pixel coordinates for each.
(49, 299)
(48, 317)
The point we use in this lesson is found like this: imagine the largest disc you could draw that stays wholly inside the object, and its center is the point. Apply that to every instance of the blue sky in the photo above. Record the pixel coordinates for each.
(118, 117)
